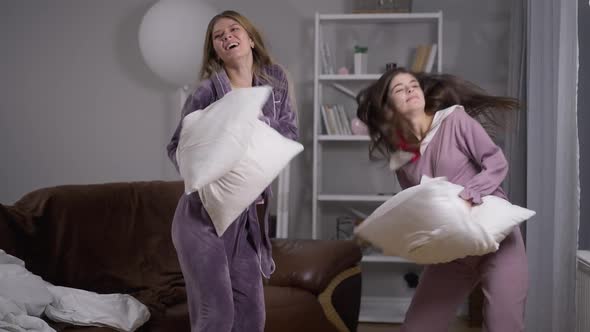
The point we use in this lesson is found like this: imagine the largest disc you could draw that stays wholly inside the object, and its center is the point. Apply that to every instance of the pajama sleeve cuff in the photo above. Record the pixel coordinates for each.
(470, 195)
(265, 119)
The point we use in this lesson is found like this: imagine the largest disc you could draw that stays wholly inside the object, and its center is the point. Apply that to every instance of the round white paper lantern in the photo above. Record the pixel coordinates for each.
(171, 37)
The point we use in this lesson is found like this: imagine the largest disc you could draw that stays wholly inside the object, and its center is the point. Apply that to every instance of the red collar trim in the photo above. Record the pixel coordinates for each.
(403, 145)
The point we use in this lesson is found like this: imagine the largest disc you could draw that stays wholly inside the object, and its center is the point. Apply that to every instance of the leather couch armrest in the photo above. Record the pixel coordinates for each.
(14, 227)
(311, 264)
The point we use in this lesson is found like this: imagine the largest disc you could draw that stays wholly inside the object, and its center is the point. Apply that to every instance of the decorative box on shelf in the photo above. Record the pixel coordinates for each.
(382, 6)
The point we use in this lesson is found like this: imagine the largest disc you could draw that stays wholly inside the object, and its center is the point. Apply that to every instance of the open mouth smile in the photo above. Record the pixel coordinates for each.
(232, 45)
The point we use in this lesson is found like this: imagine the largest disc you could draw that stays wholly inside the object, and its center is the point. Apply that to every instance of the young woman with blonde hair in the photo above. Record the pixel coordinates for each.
(223, 275)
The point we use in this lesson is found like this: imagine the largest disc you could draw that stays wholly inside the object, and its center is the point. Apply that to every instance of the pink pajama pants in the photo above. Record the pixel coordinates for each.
(443, 287)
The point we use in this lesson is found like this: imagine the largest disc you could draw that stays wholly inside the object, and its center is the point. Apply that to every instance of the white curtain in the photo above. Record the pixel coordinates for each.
(552, 164)
(515, 138)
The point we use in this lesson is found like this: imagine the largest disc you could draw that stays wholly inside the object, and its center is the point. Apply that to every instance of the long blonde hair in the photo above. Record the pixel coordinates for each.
(211, 62)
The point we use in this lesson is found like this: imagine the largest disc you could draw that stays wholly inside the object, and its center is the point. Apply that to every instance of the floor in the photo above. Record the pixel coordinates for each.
(460, 325)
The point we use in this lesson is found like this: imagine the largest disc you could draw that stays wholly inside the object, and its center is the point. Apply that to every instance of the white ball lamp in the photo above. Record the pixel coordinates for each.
(171, 37)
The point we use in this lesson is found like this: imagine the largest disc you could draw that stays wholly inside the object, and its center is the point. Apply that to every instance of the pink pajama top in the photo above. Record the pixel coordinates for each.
(462, 151)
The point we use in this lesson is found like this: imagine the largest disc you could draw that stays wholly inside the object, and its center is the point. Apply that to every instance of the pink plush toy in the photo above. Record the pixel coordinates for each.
(358, 127)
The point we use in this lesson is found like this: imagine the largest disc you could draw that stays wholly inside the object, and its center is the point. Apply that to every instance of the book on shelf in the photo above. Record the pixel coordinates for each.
(327, 59)
(344, 120)
(327, 119)
(424, 58)
(430, 60)
(419, 55)
(335, 120)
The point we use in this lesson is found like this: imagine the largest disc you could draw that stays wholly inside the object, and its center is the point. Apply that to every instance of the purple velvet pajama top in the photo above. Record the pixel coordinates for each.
(462, 151)
(277, 112)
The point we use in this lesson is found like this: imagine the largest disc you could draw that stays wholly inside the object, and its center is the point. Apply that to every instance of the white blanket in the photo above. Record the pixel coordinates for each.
(24, 297)
(15, 318)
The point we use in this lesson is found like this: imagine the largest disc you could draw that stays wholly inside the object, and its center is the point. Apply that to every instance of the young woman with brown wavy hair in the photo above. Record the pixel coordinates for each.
(426, 125)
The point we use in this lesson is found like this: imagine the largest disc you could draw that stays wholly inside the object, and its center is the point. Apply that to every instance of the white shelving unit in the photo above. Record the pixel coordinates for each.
(381, 309)
(350, 138)
(349, 77)
(343, 176)
(282, 208)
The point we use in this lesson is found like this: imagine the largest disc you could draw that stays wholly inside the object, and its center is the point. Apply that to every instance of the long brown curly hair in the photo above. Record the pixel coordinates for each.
(387, 128)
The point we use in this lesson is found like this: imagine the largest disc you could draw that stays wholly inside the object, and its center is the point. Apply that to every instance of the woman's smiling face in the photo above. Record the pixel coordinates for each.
(405, 94)
(230, 40)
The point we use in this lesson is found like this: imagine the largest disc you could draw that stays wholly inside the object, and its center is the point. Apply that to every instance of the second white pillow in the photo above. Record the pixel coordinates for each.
(429, 223)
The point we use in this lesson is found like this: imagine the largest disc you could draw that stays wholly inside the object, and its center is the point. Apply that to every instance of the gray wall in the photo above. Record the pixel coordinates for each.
(78, 105)
(584, 120)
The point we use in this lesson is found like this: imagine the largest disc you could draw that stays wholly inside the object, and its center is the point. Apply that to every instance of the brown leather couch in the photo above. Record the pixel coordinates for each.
(115, 238)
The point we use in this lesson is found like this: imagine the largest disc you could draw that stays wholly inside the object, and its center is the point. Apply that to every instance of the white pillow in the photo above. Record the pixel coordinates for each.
(213, 140)
(498, 216)
(429, 223)
(268, 152)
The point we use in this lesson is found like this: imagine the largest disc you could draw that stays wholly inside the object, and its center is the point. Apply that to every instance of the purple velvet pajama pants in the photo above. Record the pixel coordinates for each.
(443, 287)
(222, 274)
